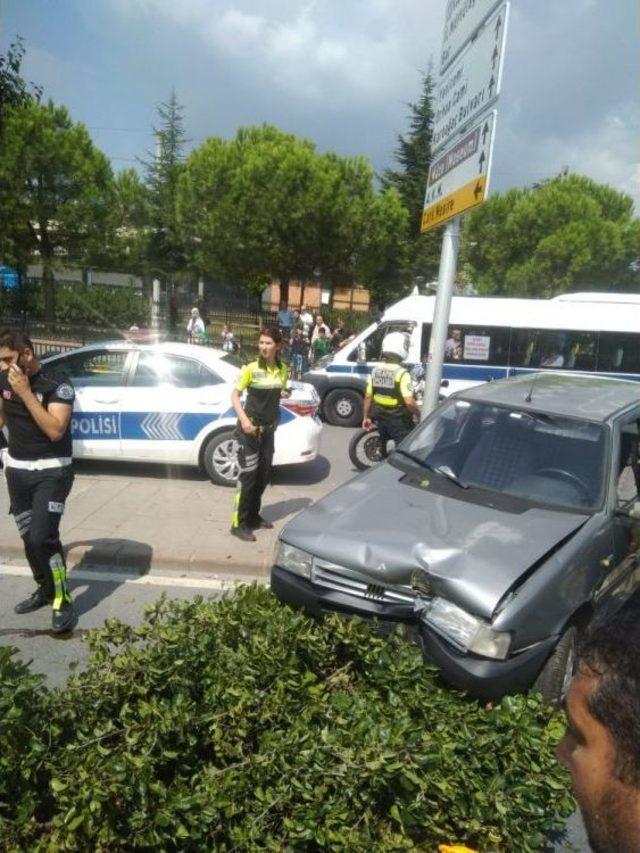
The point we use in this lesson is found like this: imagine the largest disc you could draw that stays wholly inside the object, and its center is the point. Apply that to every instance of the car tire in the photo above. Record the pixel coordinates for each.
(555, 675)
(219, 458)
(343, 407)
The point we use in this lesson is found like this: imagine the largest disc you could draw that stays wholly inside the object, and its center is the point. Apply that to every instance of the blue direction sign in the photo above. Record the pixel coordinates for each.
(9, 278)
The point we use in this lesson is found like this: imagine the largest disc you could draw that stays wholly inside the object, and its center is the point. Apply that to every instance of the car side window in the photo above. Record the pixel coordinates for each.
(155, 369)
(99, 368)
(373, 344)
(566, 350)
(189, 373)
(477, 345)
(619, 352)
(628, 464)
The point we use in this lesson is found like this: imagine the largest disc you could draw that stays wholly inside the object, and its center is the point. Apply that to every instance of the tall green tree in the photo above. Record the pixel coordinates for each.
(566, 233)
(166, 251)
(131, 223)
(266, 205)
(14, 90)
(56, 191)
(409, 178)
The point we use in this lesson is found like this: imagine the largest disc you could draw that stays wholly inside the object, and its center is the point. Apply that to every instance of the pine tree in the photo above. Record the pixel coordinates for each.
(413, 154)
(14, 90)
(163, 169)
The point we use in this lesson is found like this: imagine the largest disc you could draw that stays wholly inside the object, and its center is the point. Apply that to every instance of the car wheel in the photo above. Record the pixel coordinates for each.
(556, 674)
(220, 458)
(343, 407)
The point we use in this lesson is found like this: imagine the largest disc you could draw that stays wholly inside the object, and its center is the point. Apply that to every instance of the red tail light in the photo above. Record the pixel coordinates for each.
(300, 408)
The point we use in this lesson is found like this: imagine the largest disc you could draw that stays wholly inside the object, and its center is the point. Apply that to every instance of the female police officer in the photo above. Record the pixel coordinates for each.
(36, 406)
(265, 381)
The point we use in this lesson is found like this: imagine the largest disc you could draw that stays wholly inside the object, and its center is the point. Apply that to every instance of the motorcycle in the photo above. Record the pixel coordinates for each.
(365, 447)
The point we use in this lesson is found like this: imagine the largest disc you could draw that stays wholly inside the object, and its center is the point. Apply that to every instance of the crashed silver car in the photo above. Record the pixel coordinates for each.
(499, 528)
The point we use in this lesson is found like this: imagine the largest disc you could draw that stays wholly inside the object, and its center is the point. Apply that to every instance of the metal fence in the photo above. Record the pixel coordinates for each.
(55, 337)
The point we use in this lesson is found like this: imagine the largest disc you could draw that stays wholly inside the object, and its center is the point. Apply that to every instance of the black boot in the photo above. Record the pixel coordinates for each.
(63, 619)
(243, 533)
(261, 523)
(39, 598)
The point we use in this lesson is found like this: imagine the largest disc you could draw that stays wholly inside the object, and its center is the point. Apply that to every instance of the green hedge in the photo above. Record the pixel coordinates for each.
(243, 725)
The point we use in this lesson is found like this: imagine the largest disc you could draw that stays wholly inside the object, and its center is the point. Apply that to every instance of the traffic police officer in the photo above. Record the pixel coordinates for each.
(36, 406)
(389, 400)
(265, 381)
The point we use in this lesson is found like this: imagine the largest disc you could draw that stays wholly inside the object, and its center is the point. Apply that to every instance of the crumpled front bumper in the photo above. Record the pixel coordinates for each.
(482, 678)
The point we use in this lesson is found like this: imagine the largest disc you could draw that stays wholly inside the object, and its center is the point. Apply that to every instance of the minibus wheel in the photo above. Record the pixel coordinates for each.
(343, 407)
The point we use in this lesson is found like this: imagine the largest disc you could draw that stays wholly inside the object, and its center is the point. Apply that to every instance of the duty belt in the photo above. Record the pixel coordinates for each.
(37, 464)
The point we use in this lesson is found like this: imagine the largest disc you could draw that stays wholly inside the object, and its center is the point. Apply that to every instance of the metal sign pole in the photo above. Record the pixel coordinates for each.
(446, 279)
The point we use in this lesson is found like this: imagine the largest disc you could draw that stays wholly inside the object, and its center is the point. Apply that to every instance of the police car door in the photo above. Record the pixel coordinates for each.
(170, 401)
(98, 376)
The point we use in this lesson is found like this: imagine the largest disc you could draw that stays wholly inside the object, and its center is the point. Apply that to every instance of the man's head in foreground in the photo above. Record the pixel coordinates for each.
(601, 747)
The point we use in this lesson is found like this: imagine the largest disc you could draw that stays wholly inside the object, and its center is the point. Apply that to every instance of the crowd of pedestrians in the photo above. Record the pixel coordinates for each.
(307, 338)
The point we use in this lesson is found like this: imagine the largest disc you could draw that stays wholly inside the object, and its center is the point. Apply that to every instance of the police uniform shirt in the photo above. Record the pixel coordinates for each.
(26, 440)
(263, 385)
(388, 384)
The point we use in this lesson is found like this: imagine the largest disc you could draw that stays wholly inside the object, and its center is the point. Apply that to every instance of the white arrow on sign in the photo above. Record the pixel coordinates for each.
(461, 20)
(472, 83)
(459, 177)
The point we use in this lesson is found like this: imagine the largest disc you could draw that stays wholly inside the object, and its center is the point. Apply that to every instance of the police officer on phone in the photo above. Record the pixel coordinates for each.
(36, 406)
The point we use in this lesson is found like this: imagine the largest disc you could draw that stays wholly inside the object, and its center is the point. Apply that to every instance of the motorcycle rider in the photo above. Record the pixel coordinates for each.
(389, 401)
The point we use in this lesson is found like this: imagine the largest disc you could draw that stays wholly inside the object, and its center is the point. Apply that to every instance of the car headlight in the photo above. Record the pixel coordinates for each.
(293, 560)
(466, 631)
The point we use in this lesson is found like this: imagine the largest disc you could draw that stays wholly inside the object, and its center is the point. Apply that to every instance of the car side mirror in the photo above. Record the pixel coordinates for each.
(362, 353)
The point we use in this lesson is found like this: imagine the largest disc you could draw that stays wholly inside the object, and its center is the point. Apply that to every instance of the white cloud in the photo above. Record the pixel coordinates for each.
(312, 50)
(608, 154)
(343, 71)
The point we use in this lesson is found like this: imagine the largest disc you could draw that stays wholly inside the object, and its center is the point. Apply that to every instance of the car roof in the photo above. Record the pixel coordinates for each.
(594, 398)
(157, 346)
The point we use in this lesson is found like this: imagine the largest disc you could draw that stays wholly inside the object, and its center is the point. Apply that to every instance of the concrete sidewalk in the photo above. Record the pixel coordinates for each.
(124, 516)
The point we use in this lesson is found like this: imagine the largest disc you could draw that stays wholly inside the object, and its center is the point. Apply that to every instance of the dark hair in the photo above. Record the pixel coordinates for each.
(271, 332)
(610, 651)
(14, 340)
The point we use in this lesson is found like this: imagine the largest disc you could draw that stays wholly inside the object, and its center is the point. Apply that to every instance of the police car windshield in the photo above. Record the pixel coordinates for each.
(546, 459)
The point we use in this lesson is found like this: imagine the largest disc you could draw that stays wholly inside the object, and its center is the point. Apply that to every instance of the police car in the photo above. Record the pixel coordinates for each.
(170, 403)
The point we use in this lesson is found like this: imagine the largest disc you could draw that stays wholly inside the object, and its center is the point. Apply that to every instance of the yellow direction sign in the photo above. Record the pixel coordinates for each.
(462, 199)
(459, 177)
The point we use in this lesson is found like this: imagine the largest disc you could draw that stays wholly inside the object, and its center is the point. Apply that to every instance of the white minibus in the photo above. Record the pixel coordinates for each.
(490, 338)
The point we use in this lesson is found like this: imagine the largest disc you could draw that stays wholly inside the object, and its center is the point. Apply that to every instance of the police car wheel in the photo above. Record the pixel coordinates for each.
(343, 407)
(220, 459)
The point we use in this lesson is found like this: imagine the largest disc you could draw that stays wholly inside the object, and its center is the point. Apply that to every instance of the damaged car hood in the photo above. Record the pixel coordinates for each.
(385, 530)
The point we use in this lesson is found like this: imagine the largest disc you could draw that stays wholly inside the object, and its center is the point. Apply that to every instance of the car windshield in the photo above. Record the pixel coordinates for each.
(547, 459)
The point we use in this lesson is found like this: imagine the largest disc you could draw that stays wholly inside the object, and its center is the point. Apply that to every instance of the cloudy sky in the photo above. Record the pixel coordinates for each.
(339, 72)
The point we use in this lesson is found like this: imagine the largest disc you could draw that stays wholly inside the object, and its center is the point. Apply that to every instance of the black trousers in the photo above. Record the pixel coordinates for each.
(255, 458)
(37, 500)
(392, 426)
